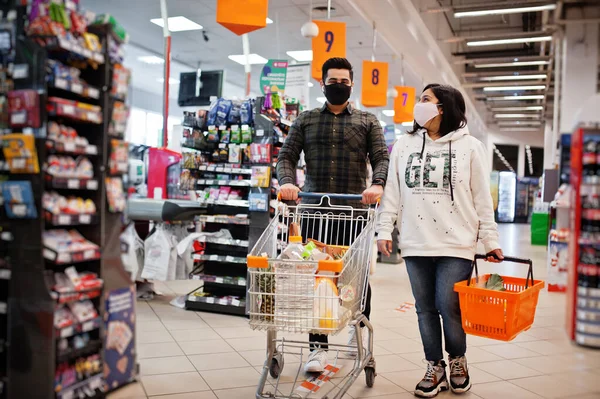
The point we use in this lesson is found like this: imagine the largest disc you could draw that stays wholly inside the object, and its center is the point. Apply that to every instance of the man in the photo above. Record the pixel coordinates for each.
(337, 140)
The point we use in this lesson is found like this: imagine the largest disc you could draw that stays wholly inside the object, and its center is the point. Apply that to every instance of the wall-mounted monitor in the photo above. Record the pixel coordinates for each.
(197, 88)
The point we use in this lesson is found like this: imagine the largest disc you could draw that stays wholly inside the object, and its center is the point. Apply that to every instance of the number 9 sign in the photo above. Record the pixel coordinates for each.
(329, 43)
(374, 84)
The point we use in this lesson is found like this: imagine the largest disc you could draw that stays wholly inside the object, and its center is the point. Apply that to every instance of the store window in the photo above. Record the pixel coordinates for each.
(145, 127)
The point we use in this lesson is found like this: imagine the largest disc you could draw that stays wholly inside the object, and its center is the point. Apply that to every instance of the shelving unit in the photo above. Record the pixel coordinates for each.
(583, 293)
(37, 347)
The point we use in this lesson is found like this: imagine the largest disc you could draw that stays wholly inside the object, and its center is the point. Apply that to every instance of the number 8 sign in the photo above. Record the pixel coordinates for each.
(404, 104)
(374, 84)
(329, 43)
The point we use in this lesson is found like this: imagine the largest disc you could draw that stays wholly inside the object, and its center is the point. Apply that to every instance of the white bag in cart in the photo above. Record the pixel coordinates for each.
(133, 256)
(160, 255)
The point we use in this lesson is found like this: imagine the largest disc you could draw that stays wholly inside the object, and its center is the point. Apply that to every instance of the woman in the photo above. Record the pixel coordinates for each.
(438, 193)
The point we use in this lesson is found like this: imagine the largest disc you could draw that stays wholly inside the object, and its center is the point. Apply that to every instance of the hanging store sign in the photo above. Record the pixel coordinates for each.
(404, 104)
(242, 16)
(296, 83)
(273, 76)
(329, 43)
(374, 84)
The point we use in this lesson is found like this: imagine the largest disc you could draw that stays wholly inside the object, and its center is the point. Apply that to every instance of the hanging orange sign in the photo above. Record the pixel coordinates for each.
(329, 43)
(242, 16)
(374, 84)
(404, 104)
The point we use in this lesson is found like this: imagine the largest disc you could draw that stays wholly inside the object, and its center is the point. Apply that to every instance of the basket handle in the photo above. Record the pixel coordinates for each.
(506, 259)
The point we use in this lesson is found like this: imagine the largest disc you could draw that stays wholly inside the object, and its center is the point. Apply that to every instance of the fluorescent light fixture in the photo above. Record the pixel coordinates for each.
(513, 77)
(511, 64)
(509, 98)
(321, 100)
(269, 21)
(397, 131)
(495, 42)
(177, 24)
(382, 123)
(253, 58)
(310, 84)
(514, 88)
(388, 112)
(526, 108)
(408, 124)
(172, 81)
(500, 11)
(301, 55)
(151, 59)
(519, 123)
(510, 116)
(519, 129)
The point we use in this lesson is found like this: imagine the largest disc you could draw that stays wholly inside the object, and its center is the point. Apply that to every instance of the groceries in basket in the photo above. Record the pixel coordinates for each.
(495, 282)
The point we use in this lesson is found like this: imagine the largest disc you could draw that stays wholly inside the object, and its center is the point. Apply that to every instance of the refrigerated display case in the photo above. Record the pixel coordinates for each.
(583, 293)
(526, 189)
(507, 188)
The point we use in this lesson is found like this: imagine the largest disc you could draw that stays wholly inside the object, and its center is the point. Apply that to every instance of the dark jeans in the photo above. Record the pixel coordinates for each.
(432, 280)
(334, 232)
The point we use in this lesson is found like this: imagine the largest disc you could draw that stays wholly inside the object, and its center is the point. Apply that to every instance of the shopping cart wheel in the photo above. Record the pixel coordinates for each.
(276, 365)
(370, 376)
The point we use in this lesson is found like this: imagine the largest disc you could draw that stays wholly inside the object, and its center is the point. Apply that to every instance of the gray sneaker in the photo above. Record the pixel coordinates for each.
(434, 381)
(460, 382)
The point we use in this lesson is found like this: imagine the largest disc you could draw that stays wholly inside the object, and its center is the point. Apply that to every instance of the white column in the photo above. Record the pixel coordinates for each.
(549, 146)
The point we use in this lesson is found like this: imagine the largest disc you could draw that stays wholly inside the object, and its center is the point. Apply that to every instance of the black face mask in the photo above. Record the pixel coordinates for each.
(337, 93)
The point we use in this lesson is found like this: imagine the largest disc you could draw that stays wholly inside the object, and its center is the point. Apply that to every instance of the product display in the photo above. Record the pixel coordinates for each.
(68, 78)
(61, 210)
(64, 139)
(115, 194)
(75, 110)
(20, 153)
(18, 199)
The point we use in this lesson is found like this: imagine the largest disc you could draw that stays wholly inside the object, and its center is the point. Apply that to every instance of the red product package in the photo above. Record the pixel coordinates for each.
(24, 108)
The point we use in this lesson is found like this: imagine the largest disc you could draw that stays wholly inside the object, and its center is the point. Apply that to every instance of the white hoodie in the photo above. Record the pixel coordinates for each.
(442, 206)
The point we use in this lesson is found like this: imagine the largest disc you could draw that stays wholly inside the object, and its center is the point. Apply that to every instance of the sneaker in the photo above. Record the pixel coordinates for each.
(434, 380)
(353, 342)
(459, 374)
(317, 360)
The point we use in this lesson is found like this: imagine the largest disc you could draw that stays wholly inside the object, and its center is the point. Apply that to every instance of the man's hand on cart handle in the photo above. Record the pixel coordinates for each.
(385, 247)
(372, 194)
(495, 256)
(289, 192)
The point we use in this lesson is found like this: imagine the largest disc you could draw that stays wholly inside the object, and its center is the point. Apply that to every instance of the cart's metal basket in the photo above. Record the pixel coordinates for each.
(307, 296)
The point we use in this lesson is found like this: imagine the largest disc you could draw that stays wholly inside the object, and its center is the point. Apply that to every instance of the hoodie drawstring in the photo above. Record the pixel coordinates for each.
(423, 148)
(450, 172)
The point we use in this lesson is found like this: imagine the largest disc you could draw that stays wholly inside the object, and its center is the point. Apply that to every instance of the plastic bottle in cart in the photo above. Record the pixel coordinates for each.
(294, 249)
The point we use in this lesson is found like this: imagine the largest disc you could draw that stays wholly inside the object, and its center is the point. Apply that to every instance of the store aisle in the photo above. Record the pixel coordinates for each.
(187, 355)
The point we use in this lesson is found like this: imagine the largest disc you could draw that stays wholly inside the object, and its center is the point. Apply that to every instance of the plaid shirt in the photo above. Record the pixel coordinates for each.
(336, 149)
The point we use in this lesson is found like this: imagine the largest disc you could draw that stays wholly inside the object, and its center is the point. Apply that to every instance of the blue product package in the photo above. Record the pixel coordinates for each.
(211, 119)
(223, 109)
(18, 200)
(246, 112)
(234, 114)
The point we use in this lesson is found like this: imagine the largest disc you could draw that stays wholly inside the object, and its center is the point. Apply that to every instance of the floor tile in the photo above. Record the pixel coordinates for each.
(247, 344)
(237, 393)
(509, 351)
(149, 326)
(391, 363)
(502, 390)
(190, 395)
(135, 390)
(548, 347)
(477, 355)
(200, 334)
(205, 347)
(195, 323)
(401, 345)
(550, 387)
(243, 377)
(228, 332)
(587, 380)
(478, 376)
(154, 337)
(146, 351)
(174, 383)
(382, 386)
(218, 361)
(255, 357)
(507, 369)
(165, 365)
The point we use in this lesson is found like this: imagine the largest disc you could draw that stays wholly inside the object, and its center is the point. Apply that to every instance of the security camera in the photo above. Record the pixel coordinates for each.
(205, 36)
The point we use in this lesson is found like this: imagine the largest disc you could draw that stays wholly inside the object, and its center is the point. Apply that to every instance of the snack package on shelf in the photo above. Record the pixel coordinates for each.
(20, 153)
(261, 176)
(83, 310)
(68, 78)
(63, 241)
(118, 122)
(115, 194)
(120, 82)
(24, 108)
(119, 156)
(69, 167)
(74, 109)
(18, 199)
(57, 204)
(63, 138)
(72, 286)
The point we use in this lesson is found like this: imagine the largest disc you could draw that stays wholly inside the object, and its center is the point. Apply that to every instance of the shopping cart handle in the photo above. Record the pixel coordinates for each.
(506, 259)
(350, 197)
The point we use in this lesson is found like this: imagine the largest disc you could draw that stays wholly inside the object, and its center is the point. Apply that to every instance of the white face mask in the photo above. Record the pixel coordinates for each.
(424, 112)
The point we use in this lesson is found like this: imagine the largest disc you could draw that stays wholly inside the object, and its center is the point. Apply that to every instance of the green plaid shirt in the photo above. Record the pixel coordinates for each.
(336, 150)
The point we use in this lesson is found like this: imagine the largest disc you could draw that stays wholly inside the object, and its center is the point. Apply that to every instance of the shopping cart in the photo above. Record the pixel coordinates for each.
(307, 296)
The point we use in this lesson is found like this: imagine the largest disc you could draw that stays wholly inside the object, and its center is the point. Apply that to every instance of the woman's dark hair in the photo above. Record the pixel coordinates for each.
(453, 104)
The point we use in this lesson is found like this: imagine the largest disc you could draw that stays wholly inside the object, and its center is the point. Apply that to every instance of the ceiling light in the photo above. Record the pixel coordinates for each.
(516, 10)
(528, 108)
(511, 64)
(301, 55)
(177, 24)
(269, 20)
(397, 131)
(310, 84)
(519, 123)
(172, 81)
(519, 129)
(514, 88)
(382, 123)
(388, 112)
(495, 42)
(513, 77)
(321, 100)
(509, 116)
(151, 59)
(509, 98)
(408, 124)
(253, 59)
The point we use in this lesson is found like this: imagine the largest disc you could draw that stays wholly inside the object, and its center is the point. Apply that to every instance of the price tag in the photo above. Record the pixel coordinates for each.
(19, 210)
(20, 71)
(68, 109)
(222, 145)
(330, 42)
(242, 281)
(210, 299)
(374, 84)
(260, 133)
(93, 92)
(4, 274)
(92, 184)
(210, 219)
(245, 127)
(64, 219)
(77, 88)
(244, 145)
(211, 168)
(210, 182)
(219, 280)
(18, 118)
(67, 332)
(64, 257)
(227, 170)
(19, 163)
(73, 184)
(222, 182)
(212, 127)
(222, 127)
(404, 104)
(87, 53)
(85, 219)
(213, 257)
(89, 254)
(91, 149)
(92, 116)
(49, 254)
(235, 302)
(229, 258)
(61, 83)
(88, 325)
(69, 146)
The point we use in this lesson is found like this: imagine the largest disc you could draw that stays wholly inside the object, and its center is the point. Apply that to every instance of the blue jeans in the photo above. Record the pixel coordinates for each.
(432, 280)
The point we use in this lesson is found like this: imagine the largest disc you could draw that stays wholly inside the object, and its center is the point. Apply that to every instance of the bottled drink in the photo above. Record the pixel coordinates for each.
(588, 268)
(589, 158)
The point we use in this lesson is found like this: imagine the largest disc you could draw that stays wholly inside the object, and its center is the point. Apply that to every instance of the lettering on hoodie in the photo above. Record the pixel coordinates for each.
(415, 173)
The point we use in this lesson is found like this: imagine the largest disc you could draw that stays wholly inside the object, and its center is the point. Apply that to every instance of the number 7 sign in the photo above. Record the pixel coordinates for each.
(329, 43)
(404, 104)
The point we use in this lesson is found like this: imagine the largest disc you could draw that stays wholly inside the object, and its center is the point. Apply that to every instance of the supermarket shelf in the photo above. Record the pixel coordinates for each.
(225, 241)
(59, 44)
(70, 220)
(83, 89)
(232, 183)
(71, 257)
(87, 326)
(93, 383)
(70, 148)
(71, 184)
(225, 280)
(220, 258)
(223, 169)
(224, 219)
(231, 203)
(587, 315)
(588, 304)
(72, 354)
(591, 293)
(74, 113)
(74, 296)
(217, 305)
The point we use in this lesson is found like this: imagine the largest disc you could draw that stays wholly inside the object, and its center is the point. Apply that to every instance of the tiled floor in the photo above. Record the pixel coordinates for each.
(188, 355)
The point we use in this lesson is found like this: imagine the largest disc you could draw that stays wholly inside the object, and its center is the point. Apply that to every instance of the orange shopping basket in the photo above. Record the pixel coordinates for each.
(500, 315)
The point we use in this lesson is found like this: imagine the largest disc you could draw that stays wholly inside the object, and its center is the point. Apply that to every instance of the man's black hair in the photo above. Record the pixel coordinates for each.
(453, 104)
(337, 63)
